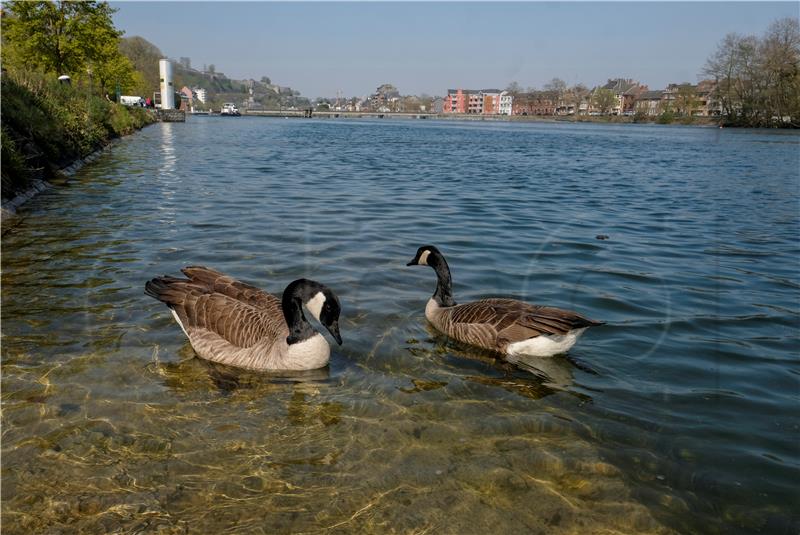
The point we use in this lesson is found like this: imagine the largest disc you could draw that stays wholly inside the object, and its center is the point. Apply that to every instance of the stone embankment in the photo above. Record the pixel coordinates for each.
(8, 211)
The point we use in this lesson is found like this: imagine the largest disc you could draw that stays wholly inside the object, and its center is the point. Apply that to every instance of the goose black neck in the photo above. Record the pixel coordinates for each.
(444, 286)
(292, 306)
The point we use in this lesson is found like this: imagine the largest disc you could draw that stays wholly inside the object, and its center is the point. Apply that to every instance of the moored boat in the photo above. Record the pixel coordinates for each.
(229, 108)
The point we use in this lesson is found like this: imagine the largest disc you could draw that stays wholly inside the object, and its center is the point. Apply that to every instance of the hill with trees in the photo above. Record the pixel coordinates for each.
(251, 93)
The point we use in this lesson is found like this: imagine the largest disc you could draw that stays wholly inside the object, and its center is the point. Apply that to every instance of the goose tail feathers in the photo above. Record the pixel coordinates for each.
(169, 290)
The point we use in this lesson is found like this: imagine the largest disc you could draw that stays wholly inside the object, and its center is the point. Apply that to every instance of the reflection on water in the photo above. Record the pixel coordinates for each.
(532, 377)
(678, 416)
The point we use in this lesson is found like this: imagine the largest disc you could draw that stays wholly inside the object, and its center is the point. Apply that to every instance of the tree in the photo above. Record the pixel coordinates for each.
(604, 100)
(265, 80)
(758, 80)
(212, 69)
(185, 62)
(144, 56)
(686, 100)
(61, 37)
(115, 71)
(514, 88)
(556, 85)
(780, 61)
(575, 95)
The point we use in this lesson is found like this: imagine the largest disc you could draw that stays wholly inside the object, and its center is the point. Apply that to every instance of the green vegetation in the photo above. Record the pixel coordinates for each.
(666, 117)
(73, 38)
(604, 100)
(144, 56)
(47, 124)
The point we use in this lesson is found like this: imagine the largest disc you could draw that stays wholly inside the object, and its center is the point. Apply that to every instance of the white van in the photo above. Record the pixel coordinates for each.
(128, 100)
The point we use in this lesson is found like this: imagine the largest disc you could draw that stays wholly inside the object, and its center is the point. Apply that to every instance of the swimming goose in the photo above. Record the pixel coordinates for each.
(508, 326)
(233, 323)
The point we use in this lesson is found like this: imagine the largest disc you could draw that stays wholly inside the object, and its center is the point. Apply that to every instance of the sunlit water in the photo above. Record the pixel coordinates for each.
(680, 415)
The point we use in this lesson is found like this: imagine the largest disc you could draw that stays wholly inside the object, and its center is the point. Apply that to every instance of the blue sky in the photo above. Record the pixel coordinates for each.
(421, 47)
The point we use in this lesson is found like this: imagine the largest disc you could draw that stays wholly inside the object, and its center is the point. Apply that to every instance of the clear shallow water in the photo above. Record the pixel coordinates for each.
(679, 415)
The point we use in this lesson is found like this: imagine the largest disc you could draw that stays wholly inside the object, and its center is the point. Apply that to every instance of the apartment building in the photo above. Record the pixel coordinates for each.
(477, 101)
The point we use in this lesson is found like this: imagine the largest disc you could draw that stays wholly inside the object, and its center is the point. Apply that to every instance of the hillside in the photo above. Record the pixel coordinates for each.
(219, 88)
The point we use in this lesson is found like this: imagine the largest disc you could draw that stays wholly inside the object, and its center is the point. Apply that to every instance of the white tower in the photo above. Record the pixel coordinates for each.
(167, 89)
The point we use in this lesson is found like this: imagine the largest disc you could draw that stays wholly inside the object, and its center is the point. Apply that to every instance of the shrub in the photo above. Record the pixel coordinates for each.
(666, 117)
(14, 170)
(46, 124)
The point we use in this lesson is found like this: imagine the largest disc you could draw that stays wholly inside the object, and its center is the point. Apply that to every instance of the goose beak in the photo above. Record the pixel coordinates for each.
(333, 328)
(412, 263)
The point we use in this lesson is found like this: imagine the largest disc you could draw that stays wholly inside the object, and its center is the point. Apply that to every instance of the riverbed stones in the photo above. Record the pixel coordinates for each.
(9, 207)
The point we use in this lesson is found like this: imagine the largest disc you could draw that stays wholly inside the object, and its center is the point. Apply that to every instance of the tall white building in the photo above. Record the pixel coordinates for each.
(167, 89)
(201, 94)
(506, 101)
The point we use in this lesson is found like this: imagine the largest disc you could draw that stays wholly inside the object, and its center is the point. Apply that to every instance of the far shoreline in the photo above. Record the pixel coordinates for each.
(701, 122)
(705, 122)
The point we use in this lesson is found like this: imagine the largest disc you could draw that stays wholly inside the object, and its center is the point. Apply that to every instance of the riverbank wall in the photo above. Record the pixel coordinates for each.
(8, 207)
(51, 130)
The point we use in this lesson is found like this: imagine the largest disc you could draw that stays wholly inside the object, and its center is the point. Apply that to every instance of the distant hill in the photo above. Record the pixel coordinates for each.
(145, 55)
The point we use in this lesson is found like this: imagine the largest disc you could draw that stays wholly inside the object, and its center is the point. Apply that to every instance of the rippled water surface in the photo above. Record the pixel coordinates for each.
(680, 415)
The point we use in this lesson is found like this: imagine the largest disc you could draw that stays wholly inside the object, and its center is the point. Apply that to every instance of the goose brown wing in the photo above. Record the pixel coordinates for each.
(515, 321)
(203, 311)
(226, 285)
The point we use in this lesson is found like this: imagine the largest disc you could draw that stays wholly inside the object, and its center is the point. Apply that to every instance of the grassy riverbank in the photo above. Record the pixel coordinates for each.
(47, 125)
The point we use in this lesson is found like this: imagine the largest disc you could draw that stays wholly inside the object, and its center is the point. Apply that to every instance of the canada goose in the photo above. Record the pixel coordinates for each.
(508, 326)
(237, 324)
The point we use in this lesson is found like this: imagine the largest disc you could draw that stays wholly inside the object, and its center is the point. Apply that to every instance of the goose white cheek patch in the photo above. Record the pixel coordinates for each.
(314, 305)
(423, 259)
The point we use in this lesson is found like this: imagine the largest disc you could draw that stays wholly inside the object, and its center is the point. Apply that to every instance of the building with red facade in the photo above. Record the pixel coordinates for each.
(477, 102)
(535, 103)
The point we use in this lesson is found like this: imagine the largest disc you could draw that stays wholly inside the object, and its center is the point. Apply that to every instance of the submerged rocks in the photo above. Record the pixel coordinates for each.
(9, 207)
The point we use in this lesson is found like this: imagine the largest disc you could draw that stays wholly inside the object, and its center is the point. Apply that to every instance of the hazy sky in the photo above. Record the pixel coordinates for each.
(420, 47)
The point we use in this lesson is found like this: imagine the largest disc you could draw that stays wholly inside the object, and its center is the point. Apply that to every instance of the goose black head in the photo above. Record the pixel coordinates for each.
(426, 256)
(321, 302)
(325, 307)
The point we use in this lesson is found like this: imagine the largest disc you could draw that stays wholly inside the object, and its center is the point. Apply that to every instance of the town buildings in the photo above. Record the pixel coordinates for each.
(535, 103)
(627, 97)
(200, 93)
(649, 103)
(477, 102)
(682, 99)
(385, 98)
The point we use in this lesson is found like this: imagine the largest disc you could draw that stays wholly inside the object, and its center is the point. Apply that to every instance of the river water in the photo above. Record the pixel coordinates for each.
(679, 415)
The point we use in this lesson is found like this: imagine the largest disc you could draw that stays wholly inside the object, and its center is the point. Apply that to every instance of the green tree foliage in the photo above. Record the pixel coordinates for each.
(666, 117)
(45, 125)
(758, 79)
(604, 100)
(686, 100)
(61, 37)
